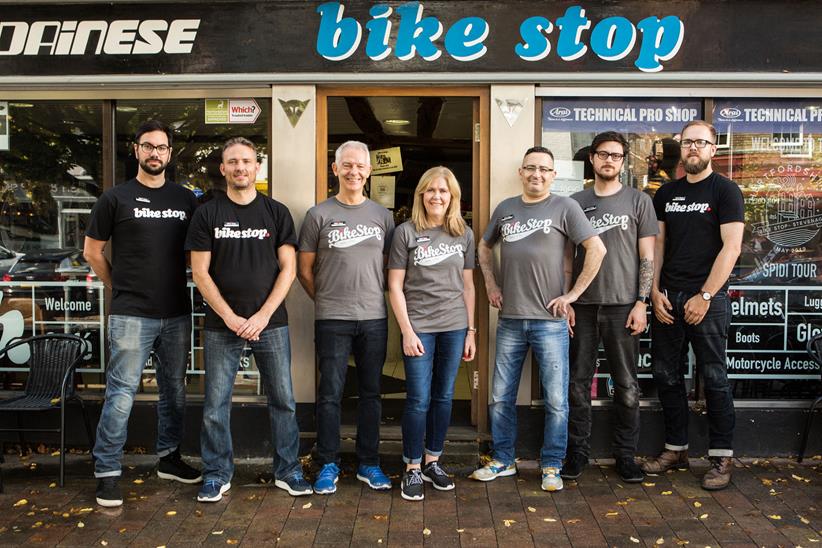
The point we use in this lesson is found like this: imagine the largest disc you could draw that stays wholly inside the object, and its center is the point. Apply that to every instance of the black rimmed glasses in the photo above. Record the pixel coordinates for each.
(698, 143)
(148, 148)
(615, 156)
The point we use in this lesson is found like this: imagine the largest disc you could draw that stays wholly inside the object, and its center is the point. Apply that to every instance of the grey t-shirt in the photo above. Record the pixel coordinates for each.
(533, 238)
(620, 220)
(433, 261)
(350, 242)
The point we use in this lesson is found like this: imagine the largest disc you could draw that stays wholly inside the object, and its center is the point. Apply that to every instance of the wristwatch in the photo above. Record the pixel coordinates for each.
(707, 296)
(644, 300)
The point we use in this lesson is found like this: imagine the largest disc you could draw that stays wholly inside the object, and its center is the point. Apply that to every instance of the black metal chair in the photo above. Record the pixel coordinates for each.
(815, 352)
(50, 384)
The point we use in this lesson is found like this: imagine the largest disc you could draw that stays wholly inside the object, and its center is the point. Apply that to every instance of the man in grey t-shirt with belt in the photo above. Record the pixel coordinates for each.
(343, 244)
(534, 230)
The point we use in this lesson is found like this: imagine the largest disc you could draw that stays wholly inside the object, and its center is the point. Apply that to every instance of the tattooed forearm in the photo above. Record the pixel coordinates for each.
(646, 276)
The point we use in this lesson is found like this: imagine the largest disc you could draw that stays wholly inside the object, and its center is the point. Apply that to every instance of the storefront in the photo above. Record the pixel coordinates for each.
(469, 85)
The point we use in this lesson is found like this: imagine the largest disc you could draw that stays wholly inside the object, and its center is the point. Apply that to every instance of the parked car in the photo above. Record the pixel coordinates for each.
(7, 259)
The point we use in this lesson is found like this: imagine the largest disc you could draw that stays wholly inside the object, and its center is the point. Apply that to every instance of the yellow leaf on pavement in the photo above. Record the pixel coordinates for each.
(666, 493)
(634, 540)
(171, 513)
(648, 484)
(21, 502)
(775, 516)
(703, 516)
(660, 540)
(532, 509)
(804, 520)
(508, 522)
(80, 524)
(549, 520)
(611, 514)
(426, 532)
(138, 481)
(697, 504)
(306, 506)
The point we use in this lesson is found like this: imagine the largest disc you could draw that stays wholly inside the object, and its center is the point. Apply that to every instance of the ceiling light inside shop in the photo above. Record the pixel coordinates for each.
(397, 122)
(21, 105)
(126, 109)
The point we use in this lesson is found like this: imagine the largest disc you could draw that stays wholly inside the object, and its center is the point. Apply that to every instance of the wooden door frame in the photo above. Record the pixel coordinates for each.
(481, 188)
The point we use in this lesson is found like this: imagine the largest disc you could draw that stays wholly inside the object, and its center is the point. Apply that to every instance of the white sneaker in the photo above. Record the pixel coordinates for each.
(551, 480)
(493, 470)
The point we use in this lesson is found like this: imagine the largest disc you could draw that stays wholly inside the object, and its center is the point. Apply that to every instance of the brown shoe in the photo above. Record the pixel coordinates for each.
(665, 461)
(719, 476)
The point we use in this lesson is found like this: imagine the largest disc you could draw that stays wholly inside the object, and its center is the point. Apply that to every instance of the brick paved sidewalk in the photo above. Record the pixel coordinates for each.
(771, 503)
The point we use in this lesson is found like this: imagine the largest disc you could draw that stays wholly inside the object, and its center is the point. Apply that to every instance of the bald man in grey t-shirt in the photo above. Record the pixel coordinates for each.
(534, 231)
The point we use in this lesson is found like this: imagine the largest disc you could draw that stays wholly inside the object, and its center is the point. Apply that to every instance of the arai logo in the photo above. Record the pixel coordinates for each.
(560, 112)
(730, 113)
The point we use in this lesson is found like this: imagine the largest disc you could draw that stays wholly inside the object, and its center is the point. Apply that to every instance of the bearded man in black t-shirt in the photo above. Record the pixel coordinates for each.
(146, 220)
(244, 260)
(701, 221)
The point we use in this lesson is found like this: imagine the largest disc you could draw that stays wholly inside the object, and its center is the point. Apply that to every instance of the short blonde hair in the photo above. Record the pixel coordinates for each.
(453, 223)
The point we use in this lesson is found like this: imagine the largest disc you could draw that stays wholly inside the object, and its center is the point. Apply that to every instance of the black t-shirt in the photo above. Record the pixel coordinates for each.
(243, 241)
(147, 228)
(692, 213)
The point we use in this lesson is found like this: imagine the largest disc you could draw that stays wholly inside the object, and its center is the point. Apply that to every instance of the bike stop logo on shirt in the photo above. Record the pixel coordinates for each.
(231, 230)
(514, 230)
(148, 213)
(675, 206)
(427, 255)
(609, 221)
(343, 236)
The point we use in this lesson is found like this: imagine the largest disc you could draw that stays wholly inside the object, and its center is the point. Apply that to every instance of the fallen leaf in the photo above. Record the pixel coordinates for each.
(55, 400)
(104, 542)
(460, 530)
(813, 539)
(138, 481)
(532, 509)
(80, 524)
(171, 513)
(66, 515)
(306, 506)
(767, 482)
(426, 532)
(549, 520)
(703, 516)
(55, 453)
(220, 532)
(123, 530)
(630, 499)
(660, 540)
(622, 503)
(666, 493)
(797, 478)
(697, 504)
(379, 517)
(379, 541)
(198, 513)
(21, 502)
(648, 484)
(611, 514)
(574, 520)
(682, 542)
(634, 540)
(775, 516)
(508, 522)
(84, 510)
(52, 485)
(804, 520)
(232, 541)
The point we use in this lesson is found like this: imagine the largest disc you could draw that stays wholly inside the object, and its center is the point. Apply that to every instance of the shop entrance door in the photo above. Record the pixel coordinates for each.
(413, 129)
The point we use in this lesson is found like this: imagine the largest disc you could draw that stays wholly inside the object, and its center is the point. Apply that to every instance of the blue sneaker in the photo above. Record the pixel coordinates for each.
(212, 491)
(295, 485)
(327, 479)
(373, 476)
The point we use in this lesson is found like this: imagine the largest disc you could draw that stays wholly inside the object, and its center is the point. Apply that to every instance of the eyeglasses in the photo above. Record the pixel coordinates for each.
(615, 156)
(700, 143)
(542, 169)
(148, 148)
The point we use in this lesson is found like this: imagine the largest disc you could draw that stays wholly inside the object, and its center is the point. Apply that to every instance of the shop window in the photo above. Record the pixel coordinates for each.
(774, 152)
(651, 127)
(50, 177)
(200, 128)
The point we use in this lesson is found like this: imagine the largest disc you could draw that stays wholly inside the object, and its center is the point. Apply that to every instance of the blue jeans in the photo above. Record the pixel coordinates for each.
(335, 340)
(548, 339)
(131, 340)
(430, 386)
(272, 353)
(709, 341)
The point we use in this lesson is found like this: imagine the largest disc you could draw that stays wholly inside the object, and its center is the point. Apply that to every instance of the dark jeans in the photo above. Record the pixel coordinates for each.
(708, 340)
(335, 340)
(605, 323)
(430, 384)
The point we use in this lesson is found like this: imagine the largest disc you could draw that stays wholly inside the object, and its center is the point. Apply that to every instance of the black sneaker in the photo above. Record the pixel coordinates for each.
(629, 470)
(172, 467)
(411, 487)
(108, 492)
(435, 475)
(573, 467)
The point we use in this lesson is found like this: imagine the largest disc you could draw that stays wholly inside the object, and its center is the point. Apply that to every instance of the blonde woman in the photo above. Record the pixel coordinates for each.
(431, 288)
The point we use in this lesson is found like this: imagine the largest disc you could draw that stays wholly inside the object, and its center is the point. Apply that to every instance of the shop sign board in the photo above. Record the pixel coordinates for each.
(231, 111)
(623, 115)
(386, 160)
(434, 36)
(4, 125)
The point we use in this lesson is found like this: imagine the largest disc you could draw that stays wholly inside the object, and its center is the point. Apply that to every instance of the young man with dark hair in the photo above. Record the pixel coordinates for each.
(613, 309)
(533, 230)
(146, 220)
(701, 222)
(244, 260)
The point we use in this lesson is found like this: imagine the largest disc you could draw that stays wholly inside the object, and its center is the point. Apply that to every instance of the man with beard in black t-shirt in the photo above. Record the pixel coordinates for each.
(701, 221)
(244, 260)
(146, 220)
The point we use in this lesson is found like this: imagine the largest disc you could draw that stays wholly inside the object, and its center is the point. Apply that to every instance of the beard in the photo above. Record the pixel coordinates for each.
(605, 177)
(144, 165)
(695, 167)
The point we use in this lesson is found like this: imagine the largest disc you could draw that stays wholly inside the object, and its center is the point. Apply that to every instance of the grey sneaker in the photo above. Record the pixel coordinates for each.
(435, 475)
(411, 487)
(493, 470)
(551, 480)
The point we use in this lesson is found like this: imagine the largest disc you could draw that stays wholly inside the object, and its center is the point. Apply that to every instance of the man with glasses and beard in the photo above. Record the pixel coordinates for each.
(701, 221)
(613, 309)
(146, 220)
